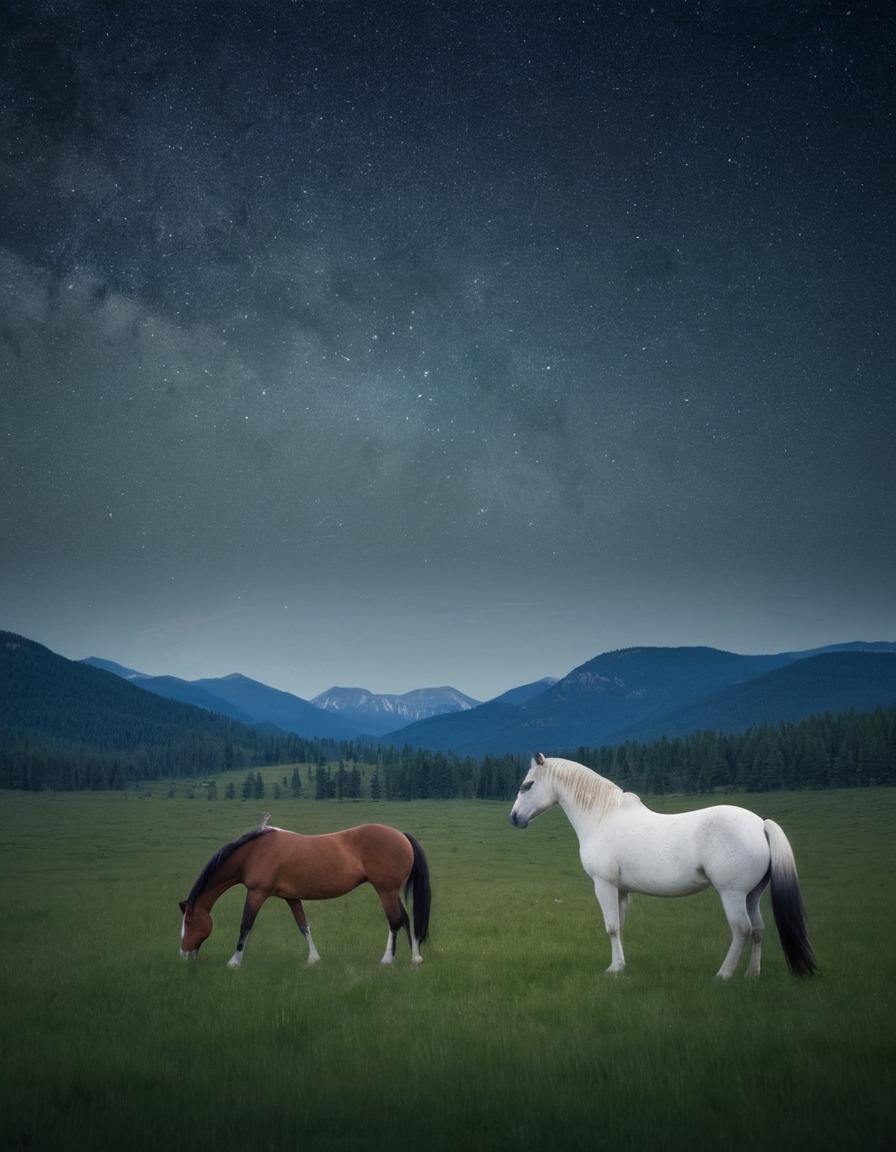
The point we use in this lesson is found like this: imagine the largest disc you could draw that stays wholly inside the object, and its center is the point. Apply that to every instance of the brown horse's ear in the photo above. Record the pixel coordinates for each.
(183, 906)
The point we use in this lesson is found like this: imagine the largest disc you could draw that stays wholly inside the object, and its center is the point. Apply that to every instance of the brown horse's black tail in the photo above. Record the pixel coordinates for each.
(419, 882)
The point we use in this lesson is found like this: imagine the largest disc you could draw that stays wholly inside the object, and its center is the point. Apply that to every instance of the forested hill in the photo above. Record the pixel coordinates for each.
(65, 725)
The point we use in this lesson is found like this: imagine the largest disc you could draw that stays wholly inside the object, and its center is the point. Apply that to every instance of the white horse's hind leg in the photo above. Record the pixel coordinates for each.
(735, 906)
(757, 929)
(614, 910)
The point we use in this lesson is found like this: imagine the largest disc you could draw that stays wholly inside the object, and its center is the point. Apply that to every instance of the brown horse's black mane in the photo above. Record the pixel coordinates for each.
(224, 853)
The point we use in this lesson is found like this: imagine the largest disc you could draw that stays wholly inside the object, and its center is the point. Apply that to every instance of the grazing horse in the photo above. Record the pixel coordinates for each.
(270, 861)
(626, 848)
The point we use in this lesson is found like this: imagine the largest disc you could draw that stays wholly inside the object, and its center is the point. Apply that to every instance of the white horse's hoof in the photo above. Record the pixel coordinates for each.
(416, 959)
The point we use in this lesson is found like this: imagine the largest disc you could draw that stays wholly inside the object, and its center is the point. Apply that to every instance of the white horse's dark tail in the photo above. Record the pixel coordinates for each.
(787, 904)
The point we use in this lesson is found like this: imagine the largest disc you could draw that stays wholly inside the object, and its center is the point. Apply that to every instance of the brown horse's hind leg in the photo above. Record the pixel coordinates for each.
(299, 912)
(398, 919)
(254, 901)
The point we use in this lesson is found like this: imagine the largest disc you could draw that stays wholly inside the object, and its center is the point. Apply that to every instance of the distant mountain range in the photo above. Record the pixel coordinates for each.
(240, 698)
(339, 714)
(641, 694)
(377, 714)
(636, 694)
(68, 726)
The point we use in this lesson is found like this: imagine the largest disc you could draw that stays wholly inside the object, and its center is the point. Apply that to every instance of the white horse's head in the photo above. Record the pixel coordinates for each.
(535, 796)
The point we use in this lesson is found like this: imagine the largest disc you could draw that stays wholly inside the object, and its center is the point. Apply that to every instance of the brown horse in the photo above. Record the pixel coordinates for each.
(273, 862)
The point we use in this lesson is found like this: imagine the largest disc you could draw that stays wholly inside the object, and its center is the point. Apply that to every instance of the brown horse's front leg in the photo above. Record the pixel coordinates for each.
(254, 901)
(299, 912)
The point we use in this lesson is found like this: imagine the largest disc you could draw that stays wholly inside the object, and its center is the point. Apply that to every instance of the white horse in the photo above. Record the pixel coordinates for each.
(625, 848)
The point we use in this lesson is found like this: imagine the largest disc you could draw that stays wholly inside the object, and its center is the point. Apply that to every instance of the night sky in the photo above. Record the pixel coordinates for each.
(414, 343)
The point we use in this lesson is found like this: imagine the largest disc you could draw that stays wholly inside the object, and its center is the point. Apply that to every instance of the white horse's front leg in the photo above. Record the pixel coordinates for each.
(614, 910)
(624, 901)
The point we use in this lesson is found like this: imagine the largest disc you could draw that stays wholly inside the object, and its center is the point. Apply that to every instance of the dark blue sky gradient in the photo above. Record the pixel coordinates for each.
(422, 343)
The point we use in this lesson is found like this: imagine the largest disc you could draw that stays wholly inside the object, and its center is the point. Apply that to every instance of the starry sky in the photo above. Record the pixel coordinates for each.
(419, 342)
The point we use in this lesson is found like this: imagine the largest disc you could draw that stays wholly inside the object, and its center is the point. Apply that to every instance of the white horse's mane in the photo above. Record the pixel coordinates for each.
(584, 788)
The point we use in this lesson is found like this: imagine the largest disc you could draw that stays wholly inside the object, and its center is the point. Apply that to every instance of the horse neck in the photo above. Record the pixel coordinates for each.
(584, 796)
(224, 879)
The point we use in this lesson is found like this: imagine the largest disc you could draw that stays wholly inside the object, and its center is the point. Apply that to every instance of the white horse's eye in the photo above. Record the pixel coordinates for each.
(527, 786)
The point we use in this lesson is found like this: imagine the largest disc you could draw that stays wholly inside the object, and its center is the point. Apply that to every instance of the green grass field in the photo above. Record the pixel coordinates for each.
(509, 1036)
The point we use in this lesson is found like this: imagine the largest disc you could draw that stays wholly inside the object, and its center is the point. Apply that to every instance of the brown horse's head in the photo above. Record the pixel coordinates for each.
(197, 926)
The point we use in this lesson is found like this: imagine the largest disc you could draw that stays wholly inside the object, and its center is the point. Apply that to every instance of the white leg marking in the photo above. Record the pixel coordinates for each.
(389, 954)
(313, 954)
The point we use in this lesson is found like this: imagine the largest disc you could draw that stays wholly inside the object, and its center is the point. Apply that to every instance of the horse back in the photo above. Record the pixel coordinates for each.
(296, 866)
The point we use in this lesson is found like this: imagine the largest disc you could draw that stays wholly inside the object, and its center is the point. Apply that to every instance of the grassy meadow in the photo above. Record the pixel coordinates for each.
(509, 1036)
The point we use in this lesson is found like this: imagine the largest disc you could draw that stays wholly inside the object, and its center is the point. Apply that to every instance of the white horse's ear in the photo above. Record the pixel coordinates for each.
(539, 758)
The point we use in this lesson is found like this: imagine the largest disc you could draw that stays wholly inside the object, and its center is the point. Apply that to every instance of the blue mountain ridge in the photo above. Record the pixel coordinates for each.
(241, 698)
(628, 694)
(643, 693)
(832, 682)
(252, 702)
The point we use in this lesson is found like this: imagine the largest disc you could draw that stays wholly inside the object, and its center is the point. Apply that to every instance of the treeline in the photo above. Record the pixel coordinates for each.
(67, 726)
(38, 761)
(825, 751)
(846, 750)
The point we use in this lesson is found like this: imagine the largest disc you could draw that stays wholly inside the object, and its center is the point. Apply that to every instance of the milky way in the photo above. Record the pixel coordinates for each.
(399, 345)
